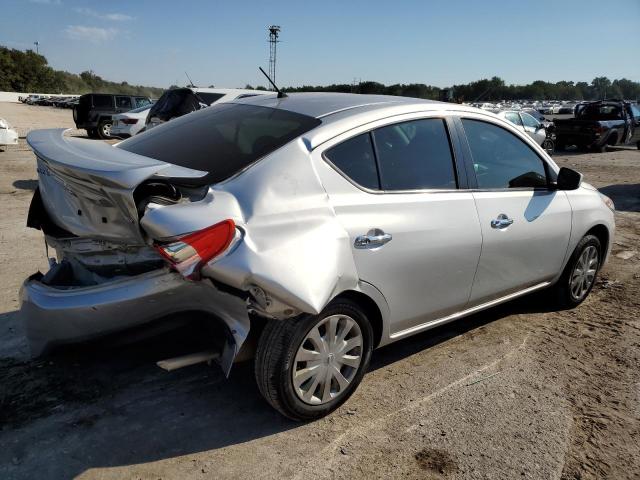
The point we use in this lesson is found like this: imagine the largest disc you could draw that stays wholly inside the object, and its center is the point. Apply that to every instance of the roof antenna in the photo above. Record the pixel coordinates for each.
(280, 94)
(190, 81)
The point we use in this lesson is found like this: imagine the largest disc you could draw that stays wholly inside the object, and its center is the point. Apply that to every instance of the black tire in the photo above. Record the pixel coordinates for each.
(562, 289)
(104, 129)
(275, 355)
(638, 145)
(92, 133)
(548, 146)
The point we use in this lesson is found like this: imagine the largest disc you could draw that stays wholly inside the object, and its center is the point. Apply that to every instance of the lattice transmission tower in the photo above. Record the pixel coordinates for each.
(274, 33)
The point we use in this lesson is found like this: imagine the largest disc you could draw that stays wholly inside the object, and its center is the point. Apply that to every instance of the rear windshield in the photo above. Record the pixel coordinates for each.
(222, 139)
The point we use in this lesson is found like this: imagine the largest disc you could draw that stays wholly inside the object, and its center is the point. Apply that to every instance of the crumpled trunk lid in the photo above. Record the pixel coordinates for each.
(87, 186)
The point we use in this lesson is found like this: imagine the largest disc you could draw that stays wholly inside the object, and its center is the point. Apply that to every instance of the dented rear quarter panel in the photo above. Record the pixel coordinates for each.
(292, 245)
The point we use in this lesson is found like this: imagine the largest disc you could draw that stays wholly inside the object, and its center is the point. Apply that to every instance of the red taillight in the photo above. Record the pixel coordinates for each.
(129, 121)
(189, 253)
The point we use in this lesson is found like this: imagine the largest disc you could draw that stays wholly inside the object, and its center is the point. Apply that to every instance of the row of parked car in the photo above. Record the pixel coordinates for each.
(123, 116)
(594, 126)
(564, 107)
(51, 101)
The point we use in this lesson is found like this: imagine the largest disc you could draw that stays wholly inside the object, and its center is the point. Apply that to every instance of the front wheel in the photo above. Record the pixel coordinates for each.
(306, 367)
(579, 275)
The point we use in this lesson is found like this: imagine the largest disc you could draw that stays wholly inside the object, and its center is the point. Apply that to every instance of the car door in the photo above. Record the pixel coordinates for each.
(533, 128)
(635, 120)
(525, 222)
(415, 234)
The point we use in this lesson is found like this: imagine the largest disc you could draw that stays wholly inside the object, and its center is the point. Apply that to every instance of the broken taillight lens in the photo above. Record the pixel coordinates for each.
(189, 253)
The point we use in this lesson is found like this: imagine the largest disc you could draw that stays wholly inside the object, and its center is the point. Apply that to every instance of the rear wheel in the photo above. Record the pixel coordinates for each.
(579, 275)
(104, 129)
(638, 145)
(307, 367)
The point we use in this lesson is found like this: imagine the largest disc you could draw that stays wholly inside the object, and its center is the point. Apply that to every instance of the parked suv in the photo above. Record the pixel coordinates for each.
(95, 110)
(327, 224)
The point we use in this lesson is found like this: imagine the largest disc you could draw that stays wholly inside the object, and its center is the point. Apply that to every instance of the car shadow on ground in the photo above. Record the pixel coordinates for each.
(26, 184)
(111, 406)
(626, 197)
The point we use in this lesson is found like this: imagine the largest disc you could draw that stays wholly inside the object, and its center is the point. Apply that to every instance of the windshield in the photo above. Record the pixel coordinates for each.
(598, 111)
(222, 139)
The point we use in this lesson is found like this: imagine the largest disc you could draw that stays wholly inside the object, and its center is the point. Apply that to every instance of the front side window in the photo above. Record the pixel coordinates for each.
(513, 117)
(502, 160)
(529, 121)
(142, 102)
(635, 111)
(415, 155)
(355, 159)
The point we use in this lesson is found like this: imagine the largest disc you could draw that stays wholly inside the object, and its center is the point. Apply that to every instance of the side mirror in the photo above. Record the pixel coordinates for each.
(568, 179)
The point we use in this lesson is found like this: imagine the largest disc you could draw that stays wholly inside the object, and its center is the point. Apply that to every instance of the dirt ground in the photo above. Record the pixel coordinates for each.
(519, 391)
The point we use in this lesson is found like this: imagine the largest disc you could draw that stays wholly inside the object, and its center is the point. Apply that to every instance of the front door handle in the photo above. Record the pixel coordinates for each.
(503, 221)
(373, 239)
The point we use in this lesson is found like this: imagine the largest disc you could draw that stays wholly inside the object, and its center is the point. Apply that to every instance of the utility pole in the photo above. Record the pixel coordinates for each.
(274, 33)
(36, 43)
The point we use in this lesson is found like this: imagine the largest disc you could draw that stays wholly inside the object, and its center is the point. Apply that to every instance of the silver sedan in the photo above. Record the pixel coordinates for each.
(335, 223)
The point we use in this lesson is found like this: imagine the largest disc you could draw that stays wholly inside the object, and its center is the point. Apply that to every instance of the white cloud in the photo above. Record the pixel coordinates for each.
(90, 34)
(116, 17)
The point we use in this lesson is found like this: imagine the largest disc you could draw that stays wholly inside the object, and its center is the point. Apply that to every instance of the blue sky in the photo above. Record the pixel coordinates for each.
(323, 42)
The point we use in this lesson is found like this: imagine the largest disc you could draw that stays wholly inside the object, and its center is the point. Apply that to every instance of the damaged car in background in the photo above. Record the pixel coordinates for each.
(331, 224)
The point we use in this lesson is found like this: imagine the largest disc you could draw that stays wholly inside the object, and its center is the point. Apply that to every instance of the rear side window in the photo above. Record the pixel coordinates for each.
(415, 155)
(102, 101)
(124, 102)
(209, 98)
(222, 139)
(502, 160)
(355, 159)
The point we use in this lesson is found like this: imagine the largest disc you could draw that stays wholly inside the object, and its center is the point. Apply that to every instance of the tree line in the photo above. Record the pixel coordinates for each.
(494, 89)
(29, 72)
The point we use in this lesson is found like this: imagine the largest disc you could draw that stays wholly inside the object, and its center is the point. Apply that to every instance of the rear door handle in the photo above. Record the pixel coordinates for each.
(503, 221)
(373, 239)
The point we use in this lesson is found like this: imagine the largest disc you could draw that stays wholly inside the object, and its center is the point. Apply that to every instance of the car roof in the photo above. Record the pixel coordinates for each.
(323, 104)
(227, 91)
(340, 112)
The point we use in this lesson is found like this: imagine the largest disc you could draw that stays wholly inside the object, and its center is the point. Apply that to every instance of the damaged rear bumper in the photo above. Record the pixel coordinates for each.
(54, 316)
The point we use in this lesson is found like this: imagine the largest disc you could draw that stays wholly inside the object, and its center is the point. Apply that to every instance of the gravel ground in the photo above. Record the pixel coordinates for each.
(519, 391)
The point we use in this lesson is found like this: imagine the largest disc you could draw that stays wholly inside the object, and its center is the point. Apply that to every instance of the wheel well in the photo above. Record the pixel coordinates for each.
(613, 139)
(601, 232)
(370, 309)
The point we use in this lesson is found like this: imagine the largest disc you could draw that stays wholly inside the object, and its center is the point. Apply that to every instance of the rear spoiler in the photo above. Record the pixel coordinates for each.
(97, 162)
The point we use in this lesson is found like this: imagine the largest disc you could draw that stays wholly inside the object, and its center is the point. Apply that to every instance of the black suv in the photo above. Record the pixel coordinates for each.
(94, 110)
